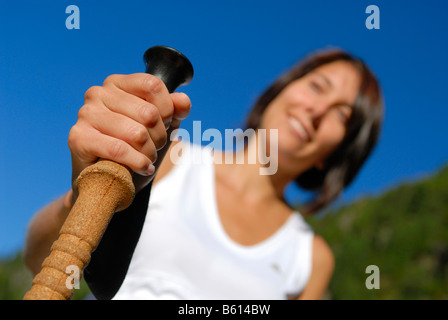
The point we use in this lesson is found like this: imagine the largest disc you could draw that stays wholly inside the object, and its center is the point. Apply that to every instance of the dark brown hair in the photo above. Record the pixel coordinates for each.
(363, 128)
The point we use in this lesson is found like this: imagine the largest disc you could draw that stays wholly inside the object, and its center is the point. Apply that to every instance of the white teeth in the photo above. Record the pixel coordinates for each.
(298, 127)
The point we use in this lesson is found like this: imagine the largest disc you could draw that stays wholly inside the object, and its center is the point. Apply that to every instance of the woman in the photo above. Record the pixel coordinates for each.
(219, 230)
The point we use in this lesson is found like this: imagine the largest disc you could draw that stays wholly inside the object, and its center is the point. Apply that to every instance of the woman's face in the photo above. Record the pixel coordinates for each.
(311, 114)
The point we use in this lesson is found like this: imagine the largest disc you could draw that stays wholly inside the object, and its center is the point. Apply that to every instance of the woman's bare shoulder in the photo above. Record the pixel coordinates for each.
(321, 272)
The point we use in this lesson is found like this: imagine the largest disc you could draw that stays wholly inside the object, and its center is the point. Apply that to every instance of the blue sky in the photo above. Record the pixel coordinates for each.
(237, 49)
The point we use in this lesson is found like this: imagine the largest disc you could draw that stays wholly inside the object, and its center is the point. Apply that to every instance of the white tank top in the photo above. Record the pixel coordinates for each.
(184, 252)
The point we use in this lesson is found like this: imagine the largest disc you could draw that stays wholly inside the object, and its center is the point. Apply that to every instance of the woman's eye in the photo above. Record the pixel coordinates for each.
(343, 115)
(316, 87)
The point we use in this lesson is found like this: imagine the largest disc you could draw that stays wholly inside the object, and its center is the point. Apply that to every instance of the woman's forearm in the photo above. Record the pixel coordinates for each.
(43, 230)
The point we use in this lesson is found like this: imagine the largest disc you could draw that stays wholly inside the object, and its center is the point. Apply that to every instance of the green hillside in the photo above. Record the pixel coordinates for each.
(404, 232)
(15, 280)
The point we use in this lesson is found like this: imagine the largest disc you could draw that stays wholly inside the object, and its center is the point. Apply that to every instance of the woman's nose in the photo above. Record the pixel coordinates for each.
(317, 110)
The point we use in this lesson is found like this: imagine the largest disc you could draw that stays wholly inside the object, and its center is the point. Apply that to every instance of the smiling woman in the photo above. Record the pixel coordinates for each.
(220, 230)
(323, 78)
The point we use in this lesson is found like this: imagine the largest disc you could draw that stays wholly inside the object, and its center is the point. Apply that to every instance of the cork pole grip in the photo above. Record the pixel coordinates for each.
(104, 188)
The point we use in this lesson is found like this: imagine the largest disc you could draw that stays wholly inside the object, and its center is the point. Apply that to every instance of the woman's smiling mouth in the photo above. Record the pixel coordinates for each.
(298, 128)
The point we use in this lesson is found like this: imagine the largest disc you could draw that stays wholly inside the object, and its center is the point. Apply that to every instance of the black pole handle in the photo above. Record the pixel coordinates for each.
(168, 64)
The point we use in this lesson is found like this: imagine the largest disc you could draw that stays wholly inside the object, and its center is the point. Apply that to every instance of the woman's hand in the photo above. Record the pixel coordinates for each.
(126, 121)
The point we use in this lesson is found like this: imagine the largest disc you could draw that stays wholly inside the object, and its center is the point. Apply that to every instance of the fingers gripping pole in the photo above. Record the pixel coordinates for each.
(104, 188)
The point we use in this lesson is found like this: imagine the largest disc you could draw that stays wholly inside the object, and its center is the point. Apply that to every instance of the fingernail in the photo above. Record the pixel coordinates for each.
(167, 122)
(151, 169)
